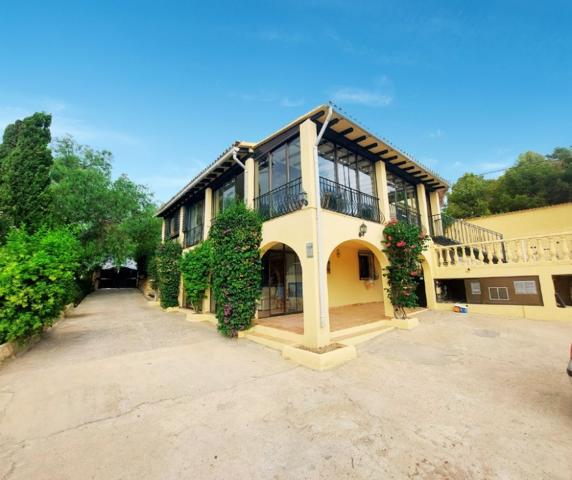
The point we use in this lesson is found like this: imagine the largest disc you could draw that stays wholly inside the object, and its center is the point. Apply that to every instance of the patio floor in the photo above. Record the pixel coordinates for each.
(340, 317)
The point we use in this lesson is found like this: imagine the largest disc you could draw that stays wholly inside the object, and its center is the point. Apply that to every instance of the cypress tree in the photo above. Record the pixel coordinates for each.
(25, 163)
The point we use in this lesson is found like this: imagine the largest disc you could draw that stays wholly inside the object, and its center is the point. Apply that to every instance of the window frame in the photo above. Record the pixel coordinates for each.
(370, 265)
(498, 290)
(268, 157)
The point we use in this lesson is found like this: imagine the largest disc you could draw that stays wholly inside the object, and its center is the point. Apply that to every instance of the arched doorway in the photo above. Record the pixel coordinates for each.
(355, 285)
(281, 282)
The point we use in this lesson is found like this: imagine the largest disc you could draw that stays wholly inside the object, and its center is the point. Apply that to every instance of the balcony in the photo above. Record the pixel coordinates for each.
(280, 201)
(404, 214)
(193, 236)
(346, 200)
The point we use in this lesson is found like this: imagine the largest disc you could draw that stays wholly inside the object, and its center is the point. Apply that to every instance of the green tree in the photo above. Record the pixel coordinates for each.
(236, 234)
(25, 163)
(196, 266)
(469, 197)
(114, 218)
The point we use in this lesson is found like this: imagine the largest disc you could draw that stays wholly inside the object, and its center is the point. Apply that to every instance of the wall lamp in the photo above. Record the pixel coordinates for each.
(303, 198)
(362, 230)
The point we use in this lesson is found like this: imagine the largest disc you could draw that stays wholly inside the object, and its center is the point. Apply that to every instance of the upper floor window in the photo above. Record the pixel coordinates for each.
(279, 167)
(193, 223)
(340, 165)
(172, 223)
(402, 199)
(232, 191)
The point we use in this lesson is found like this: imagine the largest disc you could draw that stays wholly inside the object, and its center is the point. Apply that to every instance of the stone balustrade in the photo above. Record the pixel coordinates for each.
(555, 248)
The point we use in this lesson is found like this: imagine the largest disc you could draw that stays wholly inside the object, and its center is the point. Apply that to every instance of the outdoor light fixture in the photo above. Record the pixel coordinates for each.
(303, 197)
(362, 229)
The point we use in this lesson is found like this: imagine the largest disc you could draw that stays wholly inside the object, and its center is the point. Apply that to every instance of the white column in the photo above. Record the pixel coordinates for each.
(315, 335)
(249, 190)
(382, 192)
(423, 211)
(208, 212)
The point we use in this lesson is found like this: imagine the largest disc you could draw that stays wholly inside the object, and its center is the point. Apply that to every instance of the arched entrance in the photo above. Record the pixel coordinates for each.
(281, 282)
(355, 285)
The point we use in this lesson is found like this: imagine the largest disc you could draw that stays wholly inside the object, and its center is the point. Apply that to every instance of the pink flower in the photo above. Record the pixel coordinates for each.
(413, 273)
(400, 244)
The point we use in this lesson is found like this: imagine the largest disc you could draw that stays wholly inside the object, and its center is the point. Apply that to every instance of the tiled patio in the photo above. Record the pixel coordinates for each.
(340, 317)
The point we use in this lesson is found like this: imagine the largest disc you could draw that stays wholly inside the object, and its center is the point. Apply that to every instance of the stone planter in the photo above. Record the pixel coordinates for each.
(320, 361)
(404, 323)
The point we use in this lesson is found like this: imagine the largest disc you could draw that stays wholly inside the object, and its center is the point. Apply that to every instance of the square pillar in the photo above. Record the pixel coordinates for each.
(208, 214)
(435, 202)
(423, 211)
(382, 192)
(181, 237)
(313, 270)
(249, 185)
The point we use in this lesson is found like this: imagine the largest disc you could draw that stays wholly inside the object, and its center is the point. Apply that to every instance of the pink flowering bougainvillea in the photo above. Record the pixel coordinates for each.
(403, 245)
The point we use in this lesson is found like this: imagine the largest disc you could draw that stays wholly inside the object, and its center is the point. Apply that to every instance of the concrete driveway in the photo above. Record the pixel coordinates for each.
(124, 390)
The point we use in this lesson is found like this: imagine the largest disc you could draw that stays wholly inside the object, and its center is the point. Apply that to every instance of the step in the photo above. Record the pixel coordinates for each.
(365, 327)
(269, 341)
(277, 332)
(356, 338)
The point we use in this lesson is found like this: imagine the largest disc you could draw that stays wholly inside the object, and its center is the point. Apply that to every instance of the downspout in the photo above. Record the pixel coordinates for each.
(235, 158)
(319, 255)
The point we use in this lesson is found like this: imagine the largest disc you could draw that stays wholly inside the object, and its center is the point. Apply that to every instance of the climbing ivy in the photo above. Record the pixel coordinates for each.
(167, 258)
(196, 268)
(236, 270)
(403, 244)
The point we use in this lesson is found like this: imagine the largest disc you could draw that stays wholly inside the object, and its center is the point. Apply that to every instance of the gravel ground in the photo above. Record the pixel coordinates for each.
(122, 390)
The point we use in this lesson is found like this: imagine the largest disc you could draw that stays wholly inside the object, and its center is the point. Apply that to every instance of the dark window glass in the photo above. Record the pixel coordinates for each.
(347, 174)
(327, 158)
(365, 265)
(294, 169)
(263, 173)
(366, 174)
(279, 167)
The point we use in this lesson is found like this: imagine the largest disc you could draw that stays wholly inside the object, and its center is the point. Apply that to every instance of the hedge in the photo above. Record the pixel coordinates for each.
(37, 280)
(236, 234)
(196, 267)
(167, 259)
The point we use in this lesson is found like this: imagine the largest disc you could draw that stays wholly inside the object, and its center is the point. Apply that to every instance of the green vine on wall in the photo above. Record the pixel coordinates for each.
(167, 260)
(196, 267)
(403, 245)
(236, 270)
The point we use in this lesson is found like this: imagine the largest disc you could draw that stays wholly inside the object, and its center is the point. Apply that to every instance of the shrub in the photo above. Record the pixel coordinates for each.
(403, 244)
(195, 269)
(37, 280)
(236, 272)
(167, 260)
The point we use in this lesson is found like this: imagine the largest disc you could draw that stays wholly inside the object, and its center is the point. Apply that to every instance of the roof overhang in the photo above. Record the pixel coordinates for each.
(215, 170)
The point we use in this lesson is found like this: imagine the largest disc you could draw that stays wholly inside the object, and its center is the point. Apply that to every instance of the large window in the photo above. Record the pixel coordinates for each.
(172, 225)
(232, 191)
(340, 165)
(402, 199)
(279, 167)
(193, 223)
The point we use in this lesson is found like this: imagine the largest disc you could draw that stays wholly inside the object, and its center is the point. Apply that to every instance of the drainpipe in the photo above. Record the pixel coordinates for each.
(235, 158)
(319, 253)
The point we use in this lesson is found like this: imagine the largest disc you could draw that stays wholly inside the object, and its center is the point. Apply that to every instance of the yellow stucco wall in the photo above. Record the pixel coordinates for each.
(526, 223)
(344, 284)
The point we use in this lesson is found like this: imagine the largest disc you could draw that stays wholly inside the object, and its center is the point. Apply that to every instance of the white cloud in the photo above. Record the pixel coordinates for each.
(289, 102)
(436, 134)
(64, 122)
(371, 98)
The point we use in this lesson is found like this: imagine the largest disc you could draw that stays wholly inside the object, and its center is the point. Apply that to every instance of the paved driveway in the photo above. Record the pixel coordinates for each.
(124, 390)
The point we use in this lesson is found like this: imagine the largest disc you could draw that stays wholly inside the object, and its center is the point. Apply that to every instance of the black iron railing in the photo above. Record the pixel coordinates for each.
(280, 201)
(193, 236)
(346, 200)
(447, 230)
(404, 214)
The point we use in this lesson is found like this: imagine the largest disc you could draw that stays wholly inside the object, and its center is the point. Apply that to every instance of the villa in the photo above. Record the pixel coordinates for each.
(325, 187)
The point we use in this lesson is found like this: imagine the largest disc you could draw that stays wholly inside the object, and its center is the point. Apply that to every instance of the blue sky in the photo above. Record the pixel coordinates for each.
(166, 86)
